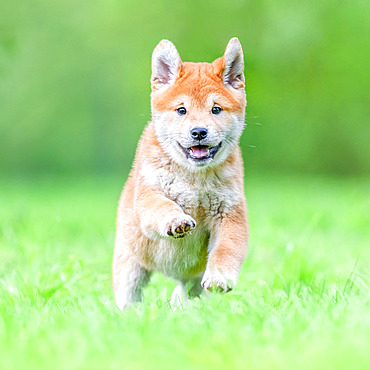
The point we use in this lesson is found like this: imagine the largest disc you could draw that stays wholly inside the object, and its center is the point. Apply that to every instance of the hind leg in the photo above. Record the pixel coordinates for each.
(185, 290)
(179, 297)
(129, 279)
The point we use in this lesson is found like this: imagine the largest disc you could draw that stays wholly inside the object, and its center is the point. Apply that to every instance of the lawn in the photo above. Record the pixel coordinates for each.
(302, 301)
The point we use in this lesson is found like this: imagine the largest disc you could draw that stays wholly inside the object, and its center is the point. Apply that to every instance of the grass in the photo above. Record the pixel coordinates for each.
(302, 300)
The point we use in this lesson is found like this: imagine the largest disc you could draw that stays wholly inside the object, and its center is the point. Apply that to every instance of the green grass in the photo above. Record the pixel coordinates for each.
(302, 301)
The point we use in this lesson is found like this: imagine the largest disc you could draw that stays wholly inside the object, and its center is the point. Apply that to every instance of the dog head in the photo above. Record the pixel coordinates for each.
(198, 109)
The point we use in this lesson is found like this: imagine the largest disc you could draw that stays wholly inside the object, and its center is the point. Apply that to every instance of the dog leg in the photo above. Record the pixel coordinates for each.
(227, 250)
(160, 217)
(129, 280)
(179, 297)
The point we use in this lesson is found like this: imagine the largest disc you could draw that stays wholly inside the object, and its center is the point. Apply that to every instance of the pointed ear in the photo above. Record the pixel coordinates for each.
(233, 74)
(166, 65)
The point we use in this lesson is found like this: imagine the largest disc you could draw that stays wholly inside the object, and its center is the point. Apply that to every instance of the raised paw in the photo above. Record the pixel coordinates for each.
(180, 226)
(216, 282)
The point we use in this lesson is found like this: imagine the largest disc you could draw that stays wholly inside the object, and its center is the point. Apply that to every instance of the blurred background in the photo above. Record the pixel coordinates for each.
(74, 80)
(74, 99)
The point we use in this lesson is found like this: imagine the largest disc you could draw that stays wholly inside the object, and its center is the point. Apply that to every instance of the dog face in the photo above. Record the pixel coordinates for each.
(198, 109)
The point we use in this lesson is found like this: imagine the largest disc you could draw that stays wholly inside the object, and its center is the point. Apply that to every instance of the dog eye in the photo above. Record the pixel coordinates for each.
(181, 111)
(216, 110)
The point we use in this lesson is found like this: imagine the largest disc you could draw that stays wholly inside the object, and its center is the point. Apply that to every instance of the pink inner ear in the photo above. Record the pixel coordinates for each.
(164, 72)
(233, 74)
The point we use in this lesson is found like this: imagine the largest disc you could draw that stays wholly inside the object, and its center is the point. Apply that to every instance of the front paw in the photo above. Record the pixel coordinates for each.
(215, 281)
(180, 226)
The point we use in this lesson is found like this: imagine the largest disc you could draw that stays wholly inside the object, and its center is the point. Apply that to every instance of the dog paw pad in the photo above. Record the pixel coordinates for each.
(179, 227)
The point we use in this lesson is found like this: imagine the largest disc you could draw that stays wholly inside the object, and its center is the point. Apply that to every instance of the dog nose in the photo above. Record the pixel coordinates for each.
(199, 133)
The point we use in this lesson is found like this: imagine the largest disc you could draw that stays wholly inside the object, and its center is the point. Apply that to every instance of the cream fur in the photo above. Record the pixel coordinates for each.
(183, 217)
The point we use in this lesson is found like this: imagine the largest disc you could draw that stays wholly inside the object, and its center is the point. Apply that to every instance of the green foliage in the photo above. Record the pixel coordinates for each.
(302, 301)
(74, 79)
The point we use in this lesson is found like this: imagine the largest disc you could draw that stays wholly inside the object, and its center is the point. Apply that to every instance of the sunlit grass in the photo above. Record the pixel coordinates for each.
(302, 300)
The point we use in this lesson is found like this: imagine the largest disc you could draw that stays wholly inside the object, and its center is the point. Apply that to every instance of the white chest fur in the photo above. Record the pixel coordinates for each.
(213, 192)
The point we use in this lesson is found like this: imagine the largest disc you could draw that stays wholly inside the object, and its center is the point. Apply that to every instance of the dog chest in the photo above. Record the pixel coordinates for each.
(209, 193)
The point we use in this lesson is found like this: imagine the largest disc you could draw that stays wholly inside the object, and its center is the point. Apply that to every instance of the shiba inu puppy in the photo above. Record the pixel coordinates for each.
(182, 211)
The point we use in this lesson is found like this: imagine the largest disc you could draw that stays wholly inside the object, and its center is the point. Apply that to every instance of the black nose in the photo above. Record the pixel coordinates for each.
(199, 133)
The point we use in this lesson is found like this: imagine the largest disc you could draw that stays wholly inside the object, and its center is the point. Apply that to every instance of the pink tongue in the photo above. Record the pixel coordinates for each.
(199, 151)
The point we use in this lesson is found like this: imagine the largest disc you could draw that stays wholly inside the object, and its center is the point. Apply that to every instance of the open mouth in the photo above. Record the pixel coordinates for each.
(201, 153)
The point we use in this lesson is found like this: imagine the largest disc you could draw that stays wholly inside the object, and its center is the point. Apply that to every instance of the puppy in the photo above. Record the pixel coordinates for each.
(183, 210)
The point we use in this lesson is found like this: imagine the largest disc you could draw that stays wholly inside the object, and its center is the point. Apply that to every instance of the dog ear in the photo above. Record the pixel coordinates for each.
(166, 65)
(233, 73)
